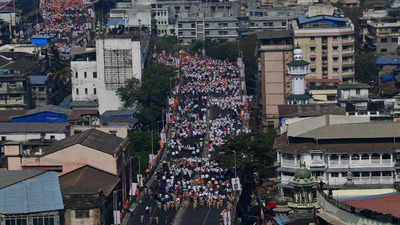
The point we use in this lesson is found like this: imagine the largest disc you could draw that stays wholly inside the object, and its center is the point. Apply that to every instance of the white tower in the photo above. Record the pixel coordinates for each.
(298, 69)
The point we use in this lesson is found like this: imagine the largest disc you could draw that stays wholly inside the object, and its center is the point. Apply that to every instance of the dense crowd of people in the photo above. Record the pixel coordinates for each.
(205, 108)
(67, 20)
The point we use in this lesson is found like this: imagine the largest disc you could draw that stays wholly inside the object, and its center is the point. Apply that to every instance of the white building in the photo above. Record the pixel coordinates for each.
(353, 93)
(97, 78)
(131, 15)
(330, 146)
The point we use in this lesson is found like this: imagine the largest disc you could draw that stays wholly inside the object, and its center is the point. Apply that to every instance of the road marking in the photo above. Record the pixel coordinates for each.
(205, 219)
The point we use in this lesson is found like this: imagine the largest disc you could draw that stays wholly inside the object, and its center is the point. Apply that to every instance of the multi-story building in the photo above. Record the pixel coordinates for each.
(381, 31)
(225, 24)
(14, 92)
(355, 94)
(331, 146)
(274, 52)
(38, 90)
(327, 41)
(131, 15)
(96, 76)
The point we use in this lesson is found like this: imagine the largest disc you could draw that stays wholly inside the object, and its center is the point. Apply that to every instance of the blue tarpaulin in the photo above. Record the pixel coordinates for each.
(41, 117)
(387, 79)
(40, 40)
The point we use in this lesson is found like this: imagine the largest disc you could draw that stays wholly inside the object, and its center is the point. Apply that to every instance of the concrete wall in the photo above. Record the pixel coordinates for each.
(80, 83)
(351, 93)
(82, 154)
(119, 131)
(30, 136)
(275, 84)
(93, 219)
(108, 99)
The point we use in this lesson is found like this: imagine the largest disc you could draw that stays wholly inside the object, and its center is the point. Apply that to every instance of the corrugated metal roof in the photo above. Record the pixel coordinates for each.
(12, 128)
(37, 194)
(305, 19)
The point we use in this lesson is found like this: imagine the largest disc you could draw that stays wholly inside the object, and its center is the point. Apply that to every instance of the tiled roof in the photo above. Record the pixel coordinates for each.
(389, 204)
(283, 145)
(10, 128)
(92, 138)
(10, 177)
(34, 192)
(88, 180)
(309, 110)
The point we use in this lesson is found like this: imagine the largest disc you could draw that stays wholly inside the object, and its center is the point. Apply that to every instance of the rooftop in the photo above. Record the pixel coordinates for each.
(387, 204)
(21, 128)
(91, 138)
(26, 191)
(353, 85)
(88, 180)
(274, 34)
(307, 110)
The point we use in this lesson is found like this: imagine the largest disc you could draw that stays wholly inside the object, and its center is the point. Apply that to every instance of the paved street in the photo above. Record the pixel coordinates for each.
(189, 187)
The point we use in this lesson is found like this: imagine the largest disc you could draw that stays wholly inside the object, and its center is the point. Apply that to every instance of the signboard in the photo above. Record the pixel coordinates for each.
(236, 184)
(140, 180)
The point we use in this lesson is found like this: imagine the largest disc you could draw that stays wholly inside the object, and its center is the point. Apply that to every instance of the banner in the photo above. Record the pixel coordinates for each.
(132, 191)
(140, 180)
(236, 184)
(117, 217)
(163, 137)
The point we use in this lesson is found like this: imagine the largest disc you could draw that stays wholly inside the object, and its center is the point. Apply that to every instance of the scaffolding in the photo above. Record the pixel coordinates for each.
(117, 67)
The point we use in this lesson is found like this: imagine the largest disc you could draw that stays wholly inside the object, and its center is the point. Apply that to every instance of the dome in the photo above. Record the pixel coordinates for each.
(297, 51)
(302, 173)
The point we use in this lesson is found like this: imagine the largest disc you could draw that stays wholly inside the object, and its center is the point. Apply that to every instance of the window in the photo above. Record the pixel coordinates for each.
(376, 173)
(334, 157)
(386, 156)
(334, 38)
(386, 173)
(94, 75)
(43, 220)
(312, 59)
(344, 174)
(335, 59)
(324, 47)
(365, 157)
(82, 213)
(383, 40)
(334, 174)
(207, 32)
(335, 70)
(193, 25)
(86, 91)
(52, 137)
(77, 91)
(394, 40)
(335, 47)
(284, 24)
(357, 91)
(193, 33)
(41, 89)
(312, 49)
(85, 75)
(312, 70)
(344, 157)
(3, 138)
(355, 157)
(383, 50)
(76, 75)
(16, 220)
(312, 38)
(180, 25)
(94, 91)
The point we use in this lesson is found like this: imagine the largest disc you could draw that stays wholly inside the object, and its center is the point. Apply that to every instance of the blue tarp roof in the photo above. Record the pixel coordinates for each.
(307, 20)
(116, 22)
(40, 40)
(37, 194)
(37, 79)
(388, 60)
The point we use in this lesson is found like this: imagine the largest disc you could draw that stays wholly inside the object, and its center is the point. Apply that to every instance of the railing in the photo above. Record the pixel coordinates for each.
(289, 163)
(317, 163)
(360, 163)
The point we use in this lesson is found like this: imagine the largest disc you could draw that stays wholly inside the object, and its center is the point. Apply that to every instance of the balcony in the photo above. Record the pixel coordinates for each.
(360, 163)
(347, 41)
(275, 47)
(11, 90)
(317, 163)
(289, 163)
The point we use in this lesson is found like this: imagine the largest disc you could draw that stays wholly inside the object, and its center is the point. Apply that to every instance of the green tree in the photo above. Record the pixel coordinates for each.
(365, 67)
(59, 82)
(140, 146)
(253, 150)
(150, 96)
